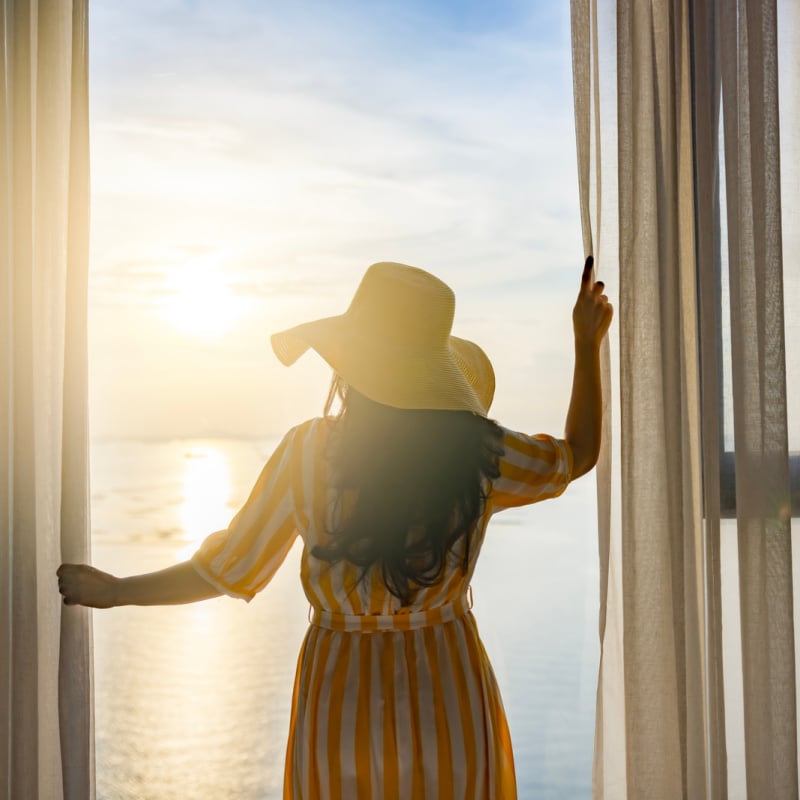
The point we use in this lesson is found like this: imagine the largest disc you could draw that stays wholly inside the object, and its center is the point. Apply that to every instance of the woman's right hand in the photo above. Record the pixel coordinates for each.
(86, 586)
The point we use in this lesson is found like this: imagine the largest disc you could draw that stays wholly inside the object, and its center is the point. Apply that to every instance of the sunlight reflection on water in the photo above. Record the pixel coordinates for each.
(206, 492)
(193, 701)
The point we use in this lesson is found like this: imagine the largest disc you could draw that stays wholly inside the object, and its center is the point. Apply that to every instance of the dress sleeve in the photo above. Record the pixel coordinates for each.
(532, 468)
(241, 559)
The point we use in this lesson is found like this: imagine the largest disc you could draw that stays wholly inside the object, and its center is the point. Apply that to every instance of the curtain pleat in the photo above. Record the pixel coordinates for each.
(25, 707)
(46, 737)
(76, 673)
(6, 360)
(706, 75)
(659, 464)
(594, 148)
(752, 165)
(582, 14)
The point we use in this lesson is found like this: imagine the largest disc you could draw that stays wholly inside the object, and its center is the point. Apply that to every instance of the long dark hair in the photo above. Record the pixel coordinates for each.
(419, 479)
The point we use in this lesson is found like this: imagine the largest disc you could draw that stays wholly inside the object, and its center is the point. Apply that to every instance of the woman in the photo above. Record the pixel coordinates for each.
(394, 695)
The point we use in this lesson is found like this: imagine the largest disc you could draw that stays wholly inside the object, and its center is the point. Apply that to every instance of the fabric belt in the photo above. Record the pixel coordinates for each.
(387, 623)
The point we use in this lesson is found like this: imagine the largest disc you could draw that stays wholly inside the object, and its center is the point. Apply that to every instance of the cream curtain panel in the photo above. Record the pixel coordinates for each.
(46, 736)
(679, 136)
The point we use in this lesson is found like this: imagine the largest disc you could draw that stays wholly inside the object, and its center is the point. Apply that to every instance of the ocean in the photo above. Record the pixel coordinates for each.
(192, 702)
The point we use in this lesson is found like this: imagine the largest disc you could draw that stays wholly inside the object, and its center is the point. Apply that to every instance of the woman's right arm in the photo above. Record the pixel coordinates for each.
(84, 585)
(260, 536)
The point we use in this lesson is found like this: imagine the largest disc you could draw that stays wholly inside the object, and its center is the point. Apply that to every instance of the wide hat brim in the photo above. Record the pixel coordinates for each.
(456, 375)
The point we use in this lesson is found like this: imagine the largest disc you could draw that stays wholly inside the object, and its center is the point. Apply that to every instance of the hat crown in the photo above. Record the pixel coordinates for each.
(399, 303)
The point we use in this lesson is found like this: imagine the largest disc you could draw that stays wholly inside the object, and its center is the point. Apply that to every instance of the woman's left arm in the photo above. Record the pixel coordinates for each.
(84, 585)
(591, 318)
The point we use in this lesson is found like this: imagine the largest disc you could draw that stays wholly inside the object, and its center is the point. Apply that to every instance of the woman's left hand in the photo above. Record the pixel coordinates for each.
(592, 314)
(86, 586)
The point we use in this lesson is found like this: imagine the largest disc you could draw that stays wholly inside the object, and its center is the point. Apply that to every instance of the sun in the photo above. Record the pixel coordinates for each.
(199, 301)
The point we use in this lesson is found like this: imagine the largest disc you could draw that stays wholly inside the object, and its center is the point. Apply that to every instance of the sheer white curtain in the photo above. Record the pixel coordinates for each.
(46, 737)
(686, 224)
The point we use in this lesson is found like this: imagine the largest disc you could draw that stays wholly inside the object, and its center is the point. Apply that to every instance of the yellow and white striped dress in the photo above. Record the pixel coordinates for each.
(389, 702)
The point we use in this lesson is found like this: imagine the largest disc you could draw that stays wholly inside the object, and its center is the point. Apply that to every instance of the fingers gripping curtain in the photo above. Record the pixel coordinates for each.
(46, 733)
(647, 102)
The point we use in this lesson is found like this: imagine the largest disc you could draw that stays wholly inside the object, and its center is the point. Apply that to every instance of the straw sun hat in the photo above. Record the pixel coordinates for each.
(393, 344)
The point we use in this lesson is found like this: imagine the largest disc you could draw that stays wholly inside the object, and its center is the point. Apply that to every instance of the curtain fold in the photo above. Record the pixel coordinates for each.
(46, 719)
(748, 51)
(680, 68)
(706, 93)
(659, 462)
(595, 90)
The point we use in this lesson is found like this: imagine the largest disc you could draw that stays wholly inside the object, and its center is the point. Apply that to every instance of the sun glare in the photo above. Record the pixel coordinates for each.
(206, 489)
(200, 302)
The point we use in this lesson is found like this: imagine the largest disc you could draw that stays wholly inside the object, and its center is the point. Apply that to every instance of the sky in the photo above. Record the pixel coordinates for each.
(251, 159)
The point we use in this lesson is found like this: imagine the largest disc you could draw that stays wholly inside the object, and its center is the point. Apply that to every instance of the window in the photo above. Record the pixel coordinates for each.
(248, 163)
